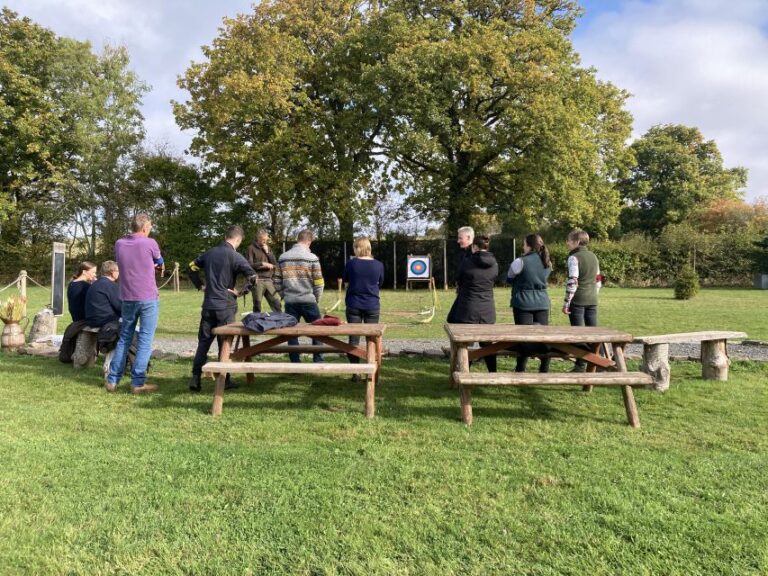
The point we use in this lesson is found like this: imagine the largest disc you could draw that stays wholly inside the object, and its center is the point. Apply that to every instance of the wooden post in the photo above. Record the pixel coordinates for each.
(592, 367)
(465, 392)
(176, 281)
(714, 360)
(445, 264)
(23, 290)
(656, 364)
(218, 393)
(370, 387)
(629, 398)
(394, 264)
(247, 344)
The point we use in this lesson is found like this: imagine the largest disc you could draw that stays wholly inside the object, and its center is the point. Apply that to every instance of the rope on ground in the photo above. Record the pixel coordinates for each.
(171, 277)
(14, 283)
(429, 313)
(338, 300)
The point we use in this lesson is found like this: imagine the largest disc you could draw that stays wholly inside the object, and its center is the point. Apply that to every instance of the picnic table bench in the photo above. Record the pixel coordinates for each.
(332, 339)
(587, 343)
(714, 354)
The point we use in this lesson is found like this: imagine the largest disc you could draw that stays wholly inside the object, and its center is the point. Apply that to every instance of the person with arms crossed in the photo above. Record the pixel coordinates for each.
(262, 259)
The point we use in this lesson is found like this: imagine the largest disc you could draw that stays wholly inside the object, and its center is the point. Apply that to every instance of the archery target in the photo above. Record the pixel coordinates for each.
(419, 268)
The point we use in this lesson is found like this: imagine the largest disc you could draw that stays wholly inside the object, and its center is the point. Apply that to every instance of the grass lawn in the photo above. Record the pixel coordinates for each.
(641, 311)
(292, 479)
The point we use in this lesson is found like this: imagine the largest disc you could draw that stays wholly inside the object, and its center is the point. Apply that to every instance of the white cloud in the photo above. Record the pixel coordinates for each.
(701, 63)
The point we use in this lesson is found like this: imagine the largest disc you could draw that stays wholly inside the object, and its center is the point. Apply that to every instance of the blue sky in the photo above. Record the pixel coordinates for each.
(702, 63)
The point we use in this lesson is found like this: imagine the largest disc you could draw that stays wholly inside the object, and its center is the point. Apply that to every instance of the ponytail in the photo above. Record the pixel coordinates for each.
(536, 244)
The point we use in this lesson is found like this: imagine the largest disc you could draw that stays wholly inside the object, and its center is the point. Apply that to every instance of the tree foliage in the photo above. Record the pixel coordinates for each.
(678, 172)
(468, 107)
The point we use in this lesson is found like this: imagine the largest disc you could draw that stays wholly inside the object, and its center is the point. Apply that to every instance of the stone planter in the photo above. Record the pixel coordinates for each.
(12, 337)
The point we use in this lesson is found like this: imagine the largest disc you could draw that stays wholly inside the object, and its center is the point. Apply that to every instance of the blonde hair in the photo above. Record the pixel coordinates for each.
(362, 247)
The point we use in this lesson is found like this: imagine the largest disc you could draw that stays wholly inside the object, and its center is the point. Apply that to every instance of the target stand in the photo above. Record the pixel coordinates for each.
(419, 270)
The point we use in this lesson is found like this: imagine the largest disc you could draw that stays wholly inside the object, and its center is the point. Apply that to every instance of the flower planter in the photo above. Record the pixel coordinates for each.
(12, 337)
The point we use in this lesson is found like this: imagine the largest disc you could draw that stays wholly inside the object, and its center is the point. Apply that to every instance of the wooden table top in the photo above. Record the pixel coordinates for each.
(465, 333)
(237, 329)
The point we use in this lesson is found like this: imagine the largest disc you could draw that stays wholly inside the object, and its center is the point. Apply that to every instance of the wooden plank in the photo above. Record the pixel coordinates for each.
(467, 333)
(629, 397)
(586, 355)
(218, 391)
(212, 368)
(689, 337)
(302, 349)
(552, 378)
(345, 347)
(370, 386)
(259, 348)
(483, 351)
(310, 330)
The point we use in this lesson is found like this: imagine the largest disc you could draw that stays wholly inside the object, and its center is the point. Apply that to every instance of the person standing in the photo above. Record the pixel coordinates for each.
(530, 300)
(464, 238)
(299, 280)
(102, 303)
(364, 277)
(262, 259)
(137, 256)
(221, 265)
(78, 289)
(583, 285)
(474, 302)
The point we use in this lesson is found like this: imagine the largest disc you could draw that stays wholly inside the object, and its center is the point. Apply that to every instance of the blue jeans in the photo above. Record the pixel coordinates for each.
(310, 312)
(145, 314)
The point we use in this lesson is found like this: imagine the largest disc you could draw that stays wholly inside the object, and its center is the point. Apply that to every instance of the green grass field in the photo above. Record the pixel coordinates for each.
(641, 311)
(292, 479)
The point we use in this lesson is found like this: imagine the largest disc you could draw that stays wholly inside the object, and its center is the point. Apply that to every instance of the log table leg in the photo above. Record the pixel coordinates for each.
(247, 344)
(629, 397)
(592, 367)
(218, 392)
(656, 364)
(370, 387)
(453, 366)
(714, 360)
(465, 392)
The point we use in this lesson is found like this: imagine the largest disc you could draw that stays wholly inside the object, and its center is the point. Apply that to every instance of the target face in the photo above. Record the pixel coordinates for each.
(418, 268)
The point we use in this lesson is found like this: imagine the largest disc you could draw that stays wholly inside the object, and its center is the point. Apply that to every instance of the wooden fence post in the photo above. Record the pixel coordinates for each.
(23, 290)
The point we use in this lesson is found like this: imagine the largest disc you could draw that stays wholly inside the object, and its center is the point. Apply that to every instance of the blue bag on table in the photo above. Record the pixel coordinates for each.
(262, 321)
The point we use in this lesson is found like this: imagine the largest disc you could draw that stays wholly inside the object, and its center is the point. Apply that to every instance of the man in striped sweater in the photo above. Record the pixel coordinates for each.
(299, 280)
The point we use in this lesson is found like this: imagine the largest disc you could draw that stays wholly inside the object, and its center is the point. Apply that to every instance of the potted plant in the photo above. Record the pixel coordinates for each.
(12, 312)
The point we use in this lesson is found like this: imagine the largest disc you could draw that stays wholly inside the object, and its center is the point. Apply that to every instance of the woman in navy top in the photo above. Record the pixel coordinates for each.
(81, 281)
(364, 276)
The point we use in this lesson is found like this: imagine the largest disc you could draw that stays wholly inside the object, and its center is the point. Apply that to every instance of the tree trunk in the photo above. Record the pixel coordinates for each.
(714, 360)
(346, 227)
(656, 364)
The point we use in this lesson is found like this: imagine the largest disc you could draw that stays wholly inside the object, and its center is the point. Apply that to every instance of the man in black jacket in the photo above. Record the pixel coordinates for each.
(103, 305)
(264, 262)
(221, 265)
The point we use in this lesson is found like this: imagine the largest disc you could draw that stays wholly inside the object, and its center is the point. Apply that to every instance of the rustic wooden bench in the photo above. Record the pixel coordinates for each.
(468, 380)
(213, 369)
(714, 354)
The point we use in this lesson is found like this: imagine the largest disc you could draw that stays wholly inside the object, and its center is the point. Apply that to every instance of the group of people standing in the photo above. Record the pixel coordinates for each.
(478, 271)
(295, 280)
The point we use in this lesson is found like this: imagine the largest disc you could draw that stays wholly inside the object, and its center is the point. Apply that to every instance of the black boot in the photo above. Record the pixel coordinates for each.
(194, 383)
(229, 385)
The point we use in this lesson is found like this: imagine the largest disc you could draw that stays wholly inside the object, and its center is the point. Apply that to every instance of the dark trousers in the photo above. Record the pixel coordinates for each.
(358, 316)
(583, 316)
(529, 318)
(209, 319)
(266, 289)
(309, 312)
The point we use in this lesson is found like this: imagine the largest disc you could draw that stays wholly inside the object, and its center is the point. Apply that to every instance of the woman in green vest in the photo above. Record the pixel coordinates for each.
(530, 301)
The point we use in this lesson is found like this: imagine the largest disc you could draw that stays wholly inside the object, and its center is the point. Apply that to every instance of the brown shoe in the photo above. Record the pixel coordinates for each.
(110, 387)
(143, 389)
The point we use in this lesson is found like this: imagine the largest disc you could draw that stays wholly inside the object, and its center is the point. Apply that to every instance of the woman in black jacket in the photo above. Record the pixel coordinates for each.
(474, 302)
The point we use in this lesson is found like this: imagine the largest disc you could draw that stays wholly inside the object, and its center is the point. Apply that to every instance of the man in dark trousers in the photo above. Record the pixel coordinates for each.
(221, 265)
(263, 260)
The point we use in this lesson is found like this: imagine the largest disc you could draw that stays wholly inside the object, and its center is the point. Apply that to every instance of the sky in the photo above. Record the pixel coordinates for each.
(701, 63)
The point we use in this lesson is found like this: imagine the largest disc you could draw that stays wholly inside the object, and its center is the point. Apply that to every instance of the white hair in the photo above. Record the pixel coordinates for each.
(468, 230)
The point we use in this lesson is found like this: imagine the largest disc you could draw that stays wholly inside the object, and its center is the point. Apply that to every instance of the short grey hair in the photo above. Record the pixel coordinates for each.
(305, 236)
(468, 230)
(108, 266)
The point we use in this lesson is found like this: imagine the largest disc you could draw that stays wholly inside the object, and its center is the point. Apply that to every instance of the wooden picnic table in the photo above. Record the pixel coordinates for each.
(333, 339)
(599, 347)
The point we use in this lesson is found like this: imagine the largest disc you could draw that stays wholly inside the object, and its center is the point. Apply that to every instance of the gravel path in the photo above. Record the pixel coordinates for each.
(185, 348)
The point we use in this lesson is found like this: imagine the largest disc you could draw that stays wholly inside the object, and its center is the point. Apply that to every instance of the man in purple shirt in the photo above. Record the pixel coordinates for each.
(137, 256)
